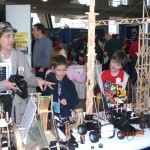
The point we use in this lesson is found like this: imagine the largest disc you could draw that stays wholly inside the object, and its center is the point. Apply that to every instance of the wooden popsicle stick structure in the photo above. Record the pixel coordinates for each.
(90, 59)
(18, 138)
(67, 131)
(43, 111)
(43, 107)
(143, 69)
(143, 61)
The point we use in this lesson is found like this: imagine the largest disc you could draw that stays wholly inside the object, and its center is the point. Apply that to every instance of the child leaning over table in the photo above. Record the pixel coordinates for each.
(115, 82)
(64, 93)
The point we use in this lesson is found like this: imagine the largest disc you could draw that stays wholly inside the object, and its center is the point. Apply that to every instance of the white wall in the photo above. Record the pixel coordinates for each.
(20, 18)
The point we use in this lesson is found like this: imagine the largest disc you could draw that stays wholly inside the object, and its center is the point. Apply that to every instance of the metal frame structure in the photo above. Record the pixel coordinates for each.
(124, 21)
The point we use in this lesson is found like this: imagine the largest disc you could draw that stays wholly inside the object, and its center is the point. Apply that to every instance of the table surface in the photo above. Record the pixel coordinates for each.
(128, 143)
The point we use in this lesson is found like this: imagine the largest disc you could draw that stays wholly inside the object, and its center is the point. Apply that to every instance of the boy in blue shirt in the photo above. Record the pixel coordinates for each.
(64, 93)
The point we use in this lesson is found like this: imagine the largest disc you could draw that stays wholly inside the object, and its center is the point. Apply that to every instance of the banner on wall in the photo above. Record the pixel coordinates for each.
(21, 42)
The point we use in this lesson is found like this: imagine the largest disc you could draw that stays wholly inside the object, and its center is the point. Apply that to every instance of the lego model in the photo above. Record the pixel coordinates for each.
(121, 93)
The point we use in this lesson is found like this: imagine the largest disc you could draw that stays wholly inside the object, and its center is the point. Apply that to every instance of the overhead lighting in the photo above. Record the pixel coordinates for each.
(44, 0)
(148, 3)
(84, 2)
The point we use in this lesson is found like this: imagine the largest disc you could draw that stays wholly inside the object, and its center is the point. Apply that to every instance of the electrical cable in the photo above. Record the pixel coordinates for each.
(131, 9)
(126, 11)
(105, 10)
(146, 11)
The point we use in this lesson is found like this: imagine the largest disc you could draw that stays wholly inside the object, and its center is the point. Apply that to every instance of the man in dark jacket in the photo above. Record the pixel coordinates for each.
(111, 46)
(64, 93)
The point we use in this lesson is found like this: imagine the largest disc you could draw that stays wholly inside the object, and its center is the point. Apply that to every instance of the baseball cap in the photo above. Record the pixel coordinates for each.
(6, 27)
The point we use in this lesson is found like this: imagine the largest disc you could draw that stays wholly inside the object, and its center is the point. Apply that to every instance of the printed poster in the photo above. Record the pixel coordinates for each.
(21, 42)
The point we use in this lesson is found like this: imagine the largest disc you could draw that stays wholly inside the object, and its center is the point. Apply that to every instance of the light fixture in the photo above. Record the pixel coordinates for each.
(44, 0)
(84, 2)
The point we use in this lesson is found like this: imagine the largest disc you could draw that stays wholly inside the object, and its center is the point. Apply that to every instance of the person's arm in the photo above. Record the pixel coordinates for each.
(73, 101)
(30, 78)
(48, 91)
(28, 75)
(7, 85)
(76, 76)
(3, 87)
(44, 84)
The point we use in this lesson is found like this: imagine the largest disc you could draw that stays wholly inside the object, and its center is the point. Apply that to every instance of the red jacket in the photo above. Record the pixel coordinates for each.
(133, 50)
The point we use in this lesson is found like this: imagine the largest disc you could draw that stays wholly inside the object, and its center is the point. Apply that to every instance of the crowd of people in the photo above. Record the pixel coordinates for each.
(51, 72)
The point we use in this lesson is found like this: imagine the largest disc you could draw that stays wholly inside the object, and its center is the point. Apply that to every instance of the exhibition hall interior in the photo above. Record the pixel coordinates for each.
(74, 74)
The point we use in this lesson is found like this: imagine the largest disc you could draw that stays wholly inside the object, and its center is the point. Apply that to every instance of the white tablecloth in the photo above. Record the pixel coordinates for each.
(128, 143)
(80, 87)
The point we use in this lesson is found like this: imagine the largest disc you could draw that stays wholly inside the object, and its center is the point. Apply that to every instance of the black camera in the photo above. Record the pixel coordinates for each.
(22, 85)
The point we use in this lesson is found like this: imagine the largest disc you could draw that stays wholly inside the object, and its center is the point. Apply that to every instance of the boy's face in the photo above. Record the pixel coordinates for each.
(115, 66)
(60, 71)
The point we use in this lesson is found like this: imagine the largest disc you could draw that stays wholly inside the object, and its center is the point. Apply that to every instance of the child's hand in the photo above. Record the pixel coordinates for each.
(63, 102)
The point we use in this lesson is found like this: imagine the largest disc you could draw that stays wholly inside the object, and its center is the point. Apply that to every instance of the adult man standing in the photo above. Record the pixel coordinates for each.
(41, 51)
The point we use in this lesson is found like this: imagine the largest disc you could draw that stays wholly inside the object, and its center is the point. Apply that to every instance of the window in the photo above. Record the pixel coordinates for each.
(116, 3)
(124, 2)
(35, 18)
(84, 2)
(148, 3)
(112, 28)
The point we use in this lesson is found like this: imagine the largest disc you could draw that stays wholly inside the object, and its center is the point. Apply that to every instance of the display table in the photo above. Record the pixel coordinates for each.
(128, 143)
(80, 87)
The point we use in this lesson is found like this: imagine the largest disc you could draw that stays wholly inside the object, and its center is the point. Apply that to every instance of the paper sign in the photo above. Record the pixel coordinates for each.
(4, 74)
(28, 117)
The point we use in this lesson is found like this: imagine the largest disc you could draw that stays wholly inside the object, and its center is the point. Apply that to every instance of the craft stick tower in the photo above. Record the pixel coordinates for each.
(143, 73)
(90, 58)
(143, 68)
